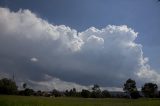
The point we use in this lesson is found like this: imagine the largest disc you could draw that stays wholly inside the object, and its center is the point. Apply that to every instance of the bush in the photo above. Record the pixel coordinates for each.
(85, 93)
(7, 86)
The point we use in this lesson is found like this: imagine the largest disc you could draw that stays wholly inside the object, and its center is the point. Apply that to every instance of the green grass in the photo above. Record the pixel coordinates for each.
(45, 101)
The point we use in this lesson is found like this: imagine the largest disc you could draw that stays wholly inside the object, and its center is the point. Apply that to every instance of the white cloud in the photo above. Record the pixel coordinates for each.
(106, 56)
(51, 83)
(113, 89)
(33, 59)
(55, 83)
(3, 75)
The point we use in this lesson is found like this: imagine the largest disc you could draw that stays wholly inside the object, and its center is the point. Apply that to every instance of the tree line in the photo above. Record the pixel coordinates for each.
(148, 90)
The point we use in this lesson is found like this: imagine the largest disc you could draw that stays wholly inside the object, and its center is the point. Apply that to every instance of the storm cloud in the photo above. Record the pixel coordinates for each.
(33, 48)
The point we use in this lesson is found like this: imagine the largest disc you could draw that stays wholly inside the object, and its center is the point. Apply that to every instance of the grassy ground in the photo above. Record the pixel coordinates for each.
(44, 101)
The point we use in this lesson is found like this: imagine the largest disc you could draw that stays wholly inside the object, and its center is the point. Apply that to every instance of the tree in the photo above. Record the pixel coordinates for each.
(85, 93)
(105, 94)
(131, 89)
(149, 90)
(96, 91)
(28, 92)
(7, 86)
(24, 85)
(66, 93)
(95, 87)
(73, 92)
(38, 93)
(56, 93)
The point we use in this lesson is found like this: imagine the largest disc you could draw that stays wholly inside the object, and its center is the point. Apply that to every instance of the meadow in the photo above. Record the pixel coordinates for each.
(62, 101)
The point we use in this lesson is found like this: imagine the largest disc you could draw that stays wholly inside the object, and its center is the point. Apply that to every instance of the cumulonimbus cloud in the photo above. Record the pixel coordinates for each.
(106, 56)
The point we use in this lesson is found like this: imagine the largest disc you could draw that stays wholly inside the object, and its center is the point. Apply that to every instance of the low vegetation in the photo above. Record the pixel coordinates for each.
(10, 95)
(63, 101)
(149, 90)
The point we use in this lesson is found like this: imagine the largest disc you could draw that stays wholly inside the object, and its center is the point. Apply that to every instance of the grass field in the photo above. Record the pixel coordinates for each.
(44, 101)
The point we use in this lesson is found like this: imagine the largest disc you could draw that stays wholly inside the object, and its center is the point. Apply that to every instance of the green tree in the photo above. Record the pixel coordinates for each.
(7, 86)
(85, 93)
(28, 92)
(73, 92)
(105, 94)
(131, 89)
(24, 85)
(56, 93)
(149, 90)
(96, 91)
(96, 87)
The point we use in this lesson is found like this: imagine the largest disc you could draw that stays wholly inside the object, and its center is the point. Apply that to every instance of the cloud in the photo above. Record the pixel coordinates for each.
(33, 59)
(51, 83)
(106, 56)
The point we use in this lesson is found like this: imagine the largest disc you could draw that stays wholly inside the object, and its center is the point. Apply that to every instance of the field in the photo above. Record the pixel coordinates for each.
(45, 101)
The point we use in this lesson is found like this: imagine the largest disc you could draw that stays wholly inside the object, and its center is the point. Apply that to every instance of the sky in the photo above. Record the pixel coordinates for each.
(63, 44)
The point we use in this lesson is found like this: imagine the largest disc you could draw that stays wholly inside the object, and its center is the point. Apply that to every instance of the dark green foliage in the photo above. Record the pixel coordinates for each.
(24, 85)
(72, 93)
(38, 93)
(96, 91)
(150, 90)
(105, 94)
(130, 86)
(96, 87)
(27, 92)
(85, 93)
(56, 93)
(131, 89)
(96, 94)
(7, 86)
(134, 94)
(66, 93)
